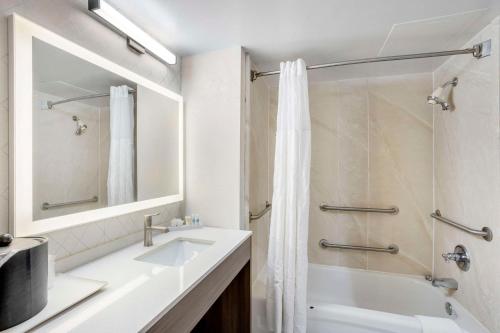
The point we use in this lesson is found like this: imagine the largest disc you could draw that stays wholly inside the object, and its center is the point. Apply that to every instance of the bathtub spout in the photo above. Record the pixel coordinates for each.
(445, 283)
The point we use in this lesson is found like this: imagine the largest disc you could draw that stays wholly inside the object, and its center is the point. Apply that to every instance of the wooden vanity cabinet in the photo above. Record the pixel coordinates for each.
(218, 304)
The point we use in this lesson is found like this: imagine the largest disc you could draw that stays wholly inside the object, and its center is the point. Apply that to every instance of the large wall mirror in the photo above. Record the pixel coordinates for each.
(89, 139)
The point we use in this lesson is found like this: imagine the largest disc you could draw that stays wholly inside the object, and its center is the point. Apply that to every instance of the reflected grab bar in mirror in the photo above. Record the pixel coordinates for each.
(47, 205)
(261, 213)
(485, 232)
(392, 249)
(393, 210)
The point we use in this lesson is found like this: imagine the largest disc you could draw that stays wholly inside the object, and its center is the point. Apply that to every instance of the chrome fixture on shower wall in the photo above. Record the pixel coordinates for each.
(460, 255)
(263, 212)
(447, 283)
(435, 97)
(81, 127)
(485, 232)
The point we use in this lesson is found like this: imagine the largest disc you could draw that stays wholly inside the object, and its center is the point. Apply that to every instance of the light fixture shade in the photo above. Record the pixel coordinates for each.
(125, 26)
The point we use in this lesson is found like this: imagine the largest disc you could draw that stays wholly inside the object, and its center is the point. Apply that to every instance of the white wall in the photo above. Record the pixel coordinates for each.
(212, 90)
(157, 131)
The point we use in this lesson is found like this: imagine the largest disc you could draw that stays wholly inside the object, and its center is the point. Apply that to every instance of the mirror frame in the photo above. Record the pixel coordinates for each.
(21, 223)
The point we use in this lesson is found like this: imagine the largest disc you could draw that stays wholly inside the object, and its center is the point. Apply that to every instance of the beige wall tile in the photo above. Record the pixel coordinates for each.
(371, 146)
(467, 177)
(259, 172)
(401, 175)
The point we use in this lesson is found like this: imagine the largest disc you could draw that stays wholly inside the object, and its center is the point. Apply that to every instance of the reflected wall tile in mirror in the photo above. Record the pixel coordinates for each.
(66, 166)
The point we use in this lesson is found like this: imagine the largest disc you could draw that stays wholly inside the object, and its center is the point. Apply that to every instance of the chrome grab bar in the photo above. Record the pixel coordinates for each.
(261, 213)
(392, 249)
(485, 232)
(47, 205)
(392, 210)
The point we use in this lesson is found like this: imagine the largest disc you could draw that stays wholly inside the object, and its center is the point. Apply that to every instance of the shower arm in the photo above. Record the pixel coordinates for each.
(452, 82)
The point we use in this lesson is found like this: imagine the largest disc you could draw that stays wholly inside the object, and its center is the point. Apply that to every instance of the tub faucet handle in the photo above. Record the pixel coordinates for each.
(460, 256)
(448, 257)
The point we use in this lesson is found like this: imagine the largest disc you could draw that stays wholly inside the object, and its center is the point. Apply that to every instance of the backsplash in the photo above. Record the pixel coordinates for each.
(68, 242)
(73, 22)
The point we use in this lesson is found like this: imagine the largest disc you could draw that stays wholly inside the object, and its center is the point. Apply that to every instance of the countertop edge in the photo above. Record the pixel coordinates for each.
(163, 312)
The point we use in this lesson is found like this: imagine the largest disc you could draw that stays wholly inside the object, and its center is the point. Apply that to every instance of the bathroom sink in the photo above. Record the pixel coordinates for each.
(176, 252)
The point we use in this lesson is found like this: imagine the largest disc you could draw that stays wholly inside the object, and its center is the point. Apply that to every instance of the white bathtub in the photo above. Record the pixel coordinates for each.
(345, 300)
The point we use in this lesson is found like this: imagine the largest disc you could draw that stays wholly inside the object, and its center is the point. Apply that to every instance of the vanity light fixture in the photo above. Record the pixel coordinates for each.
(137, 39)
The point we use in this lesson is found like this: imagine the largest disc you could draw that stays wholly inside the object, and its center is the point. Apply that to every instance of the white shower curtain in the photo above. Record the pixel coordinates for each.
(287, 257)
(121, 149)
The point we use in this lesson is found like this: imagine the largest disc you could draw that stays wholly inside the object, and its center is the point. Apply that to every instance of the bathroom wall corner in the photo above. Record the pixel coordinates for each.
(212, 90)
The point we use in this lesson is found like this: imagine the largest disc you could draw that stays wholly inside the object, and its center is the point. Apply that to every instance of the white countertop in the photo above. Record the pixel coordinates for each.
(139, 292)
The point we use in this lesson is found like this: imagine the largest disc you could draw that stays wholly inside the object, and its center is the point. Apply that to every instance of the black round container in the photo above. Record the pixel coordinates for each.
(23, 279)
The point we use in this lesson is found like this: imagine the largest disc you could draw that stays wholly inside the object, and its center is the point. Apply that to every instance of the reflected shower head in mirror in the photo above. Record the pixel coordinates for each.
(435, 98)
(81, 127)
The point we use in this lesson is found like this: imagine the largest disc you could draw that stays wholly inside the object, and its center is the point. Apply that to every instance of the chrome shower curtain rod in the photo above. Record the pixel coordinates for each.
(479, 50)
(51, 104)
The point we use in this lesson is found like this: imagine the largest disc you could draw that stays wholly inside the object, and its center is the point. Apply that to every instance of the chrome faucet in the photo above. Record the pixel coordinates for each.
(445, 283)
(149, 227)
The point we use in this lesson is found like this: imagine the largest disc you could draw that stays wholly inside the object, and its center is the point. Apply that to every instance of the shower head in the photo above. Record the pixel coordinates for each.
(81, 127)
(434, 100)
(435, 97)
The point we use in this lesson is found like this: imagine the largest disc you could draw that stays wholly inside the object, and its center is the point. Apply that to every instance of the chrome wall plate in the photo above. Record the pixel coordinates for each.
(482, 49)
(460, 256)
(464, 262)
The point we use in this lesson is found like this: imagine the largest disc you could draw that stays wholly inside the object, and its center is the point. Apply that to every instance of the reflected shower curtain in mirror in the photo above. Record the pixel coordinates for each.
(121, 150)
(287, 256)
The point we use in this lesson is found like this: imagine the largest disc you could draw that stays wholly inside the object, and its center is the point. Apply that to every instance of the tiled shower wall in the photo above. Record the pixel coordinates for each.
(59, 154)
(72, 21)
(467, 176)
(260, 185)
(371, 146)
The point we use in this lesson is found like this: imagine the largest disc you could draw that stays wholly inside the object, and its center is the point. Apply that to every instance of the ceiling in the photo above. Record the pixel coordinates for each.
(318, 31)
(61, 74)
